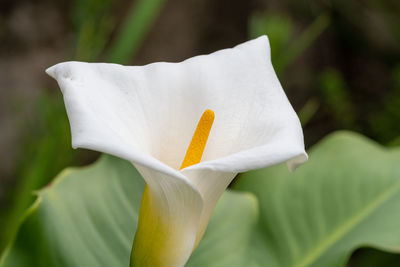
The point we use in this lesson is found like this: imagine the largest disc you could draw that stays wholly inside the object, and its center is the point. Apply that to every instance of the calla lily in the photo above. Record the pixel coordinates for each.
(148, 114)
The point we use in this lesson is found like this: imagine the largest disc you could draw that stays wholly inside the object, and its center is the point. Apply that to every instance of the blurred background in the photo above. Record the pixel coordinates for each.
(338, 61)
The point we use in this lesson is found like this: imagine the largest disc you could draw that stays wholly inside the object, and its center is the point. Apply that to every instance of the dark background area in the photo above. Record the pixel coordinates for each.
(338, 61)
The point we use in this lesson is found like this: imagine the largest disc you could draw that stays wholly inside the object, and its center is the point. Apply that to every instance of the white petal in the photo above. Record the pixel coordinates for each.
(154, 109)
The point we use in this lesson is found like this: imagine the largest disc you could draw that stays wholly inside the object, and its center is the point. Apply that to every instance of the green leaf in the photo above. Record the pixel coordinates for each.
(47, 136)
(347, 196)
(88, 217)
(228, 234)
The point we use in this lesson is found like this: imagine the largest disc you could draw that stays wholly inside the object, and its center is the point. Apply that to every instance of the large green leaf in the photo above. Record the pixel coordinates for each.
(228, 234)
(347, 196)
(88, 217)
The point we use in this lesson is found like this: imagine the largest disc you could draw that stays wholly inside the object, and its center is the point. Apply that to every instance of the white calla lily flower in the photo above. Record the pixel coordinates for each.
(148, 114)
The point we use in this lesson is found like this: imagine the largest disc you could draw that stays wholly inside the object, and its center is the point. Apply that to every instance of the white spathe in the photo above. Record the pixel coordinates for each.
(148, 114)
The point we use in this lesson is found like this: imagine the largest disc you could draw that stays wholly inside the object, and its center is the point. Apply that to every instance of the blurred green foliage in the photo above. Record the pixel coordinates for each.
(92, 23)
(46, 148)
(137, 24)
(385, 122)
(334, 96)
(280, 30)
